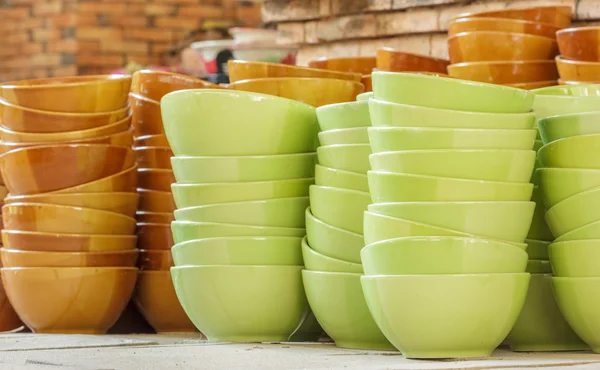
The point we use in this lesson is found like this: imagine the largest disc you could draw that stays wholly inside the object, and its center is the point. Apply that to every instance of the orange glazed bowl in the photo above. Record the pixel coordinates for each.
(156, 179)
(156, 201)
(241, 70)
(557, 16)
(573, 70)
(57, 242)
(154, 157)
(155, 217)
(155, 259)
(503, 25)
(156, 84)
(362, 65)
(580, 43)
(154, 236)
(399, 61)
(505, 72)
(19, 258)
(146, 118)
(159, 140)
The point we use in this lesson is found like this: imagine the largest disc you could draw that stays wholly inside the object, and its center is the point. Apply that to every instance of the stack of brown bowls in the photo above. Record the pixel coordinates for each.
(390, 60)
(362, 65)
(68, 245)
(579, 59)
(514, 47)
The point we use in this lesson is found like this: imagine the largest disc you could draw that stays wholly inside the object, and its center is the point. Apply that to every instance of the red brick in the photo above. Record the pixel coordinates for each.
(47, 8)
(62, 46)
(129, 47)
(15, 38)
(31, 23)
(88, 46)
(15, 13)
(148, 34)
(28, 49)
(251, 17)
(10, 26)
(144, 60)
(128, 20)
(159, 48)
(99, 33)
(406, 4)
(104, 60)
(38, 60)
(63, 71)
(101, 7)
(201, 11)
(177, 22)
(87, 20)
(133, 9)
(293, 10)
(160, 9)
(359, 6)
(43, 34)
(9, 50)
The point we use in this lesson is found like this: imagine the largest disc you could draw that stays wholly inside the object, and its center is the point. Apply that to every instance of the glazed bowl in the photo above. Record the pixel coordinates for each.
(155, 260)
(362, 65)
(183, 231)
(315, 261)
(533, 85)
(392, 60)
(472, 24)
(364, 96)
(568, 125)
(154, 217)
(566, 99)
(571, 152)
(21, 258)
(339, 207)
(347, 157)
(589, 231)
(159, 140)
(358, 135)
(575, 258)
(156, 84)
(574, 212)
(153, 236)
(121, 182)
(537, 249)
(558, 184)
(574, 43)
(153, 157)
(505, 72)
(157, 179)
(241, 70)
(146, 117)
(539, 266)
(156, 201)
(9, 320)
(344, 116)
(55, 242)
(539, 228)
(557, 16)
(325, 176)
(576, 70)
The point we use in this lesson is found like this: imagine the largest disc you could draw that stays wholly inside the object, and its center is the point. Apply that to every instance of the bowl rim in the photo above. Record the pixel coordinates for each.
(85, 80)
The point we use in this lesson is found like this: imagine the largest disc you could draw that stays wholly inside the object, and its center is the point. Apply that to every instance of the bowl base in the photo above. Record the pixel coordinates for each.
(448, 354)
(250, 338)
(69, 331)
(382, 346)
(562, 347)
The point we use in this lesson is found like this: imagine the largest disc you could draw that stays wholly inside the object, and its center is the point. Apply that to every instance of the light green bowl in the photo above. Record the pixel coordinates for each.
(589, 231)
(566, 99)
(193, 195)
(280, 212)
(308, 331)
(401, 187)
(539, 229)
(184, 231)
(358, 135)
(537, 249)
(571, 152)
(558, 184)
(351, 157)
(325, 176)
(239, 250)
(574, 212)
(488, 164)
(364, 96)
(332, 241)
(216, 122)
(402, 115)
(444, 315)
(343, 115)
(338, 302)
(568, 125)
(316, 261)
(577, 258)
(577, 300)
(242, 303)
(540, 326)
(442, 255)
(496, 220)
(534, 175)
(539, 267)
(391, 139)
(339, 207)
(243, 169)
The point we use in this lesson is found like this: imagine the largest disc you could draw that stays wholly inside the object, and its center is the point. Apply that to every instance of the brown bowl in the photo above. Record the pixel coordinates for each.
(576, 82)
(155, 179)
(51, 218)
(154, 236)
(503, 25)
(399, 61)
(505, 72)
(156, 299)
(557, 16)
(75, 300)
(52, 242)
(313, 91)
(579, 43)
(156, 84)
(572, 70)
(155, 260)
(80, 94)
(362, 65)
(123, 203)
(9, 320)
(241, 70)
(155, 217)
(19, 258)
(533, 85)
(41, 169)
(151, 140)
(156, 201)
(3, 192)
(153, 157)
(493, 46)
(146, 117)
(122, 182)
(367, 82)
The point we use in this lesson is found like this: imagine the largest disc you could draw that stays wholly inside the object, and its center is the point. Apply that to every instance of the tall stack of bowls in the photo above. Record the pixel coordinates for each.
(579, 60)
(243, 164)
(451, 208)
(69, 256)
(513, 47)
(391, 60)
(362, 65)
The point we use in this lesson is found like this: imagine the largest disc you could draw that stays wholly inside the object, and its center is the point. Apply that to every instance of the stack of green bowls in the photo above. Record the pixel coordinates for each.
(243, 164)
(445, 259)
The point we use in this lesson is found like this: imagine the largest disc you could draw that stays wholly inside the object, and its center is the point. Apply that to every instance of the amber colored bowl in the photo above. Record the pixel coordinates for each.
(156, 201)
(153, 157)
(241, 70)
(3, 192)
(557, 16)
(492, 46)
(74, 300)
(362, 65)
(505, 72)
(580, 43)
(399, 61)
(503, 25)
(122, 182)
(20, 258)
(8, 317)
(313, 91)
(80, 94)
(151, 140)
(533, 85)
(154, 236)
(155, 260)
(155, 298)
(576, 82)
(146, 118)
(56, 242)
(367, 82)
(155, 179)
(573, 70)
(52, 218)
(156, 84)
(123, 203)
(155, 217)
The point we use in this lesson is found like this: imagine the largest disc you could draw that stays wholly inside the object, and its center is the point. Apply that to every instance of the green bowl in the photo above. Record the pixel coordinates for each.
(308, 331)
(243, 169)
(534, 175)
(568, 125)
(339, 207)
(343, 115)
(539, 229)
(589, 231)
(338, 302)
(316, 261)
(571, 152)
(558, 184)
(325, 176)
(280, 212)
(401, 187)
(392, 139)
(574, 212)
(565, 99)
(445, 313)
(364, 96)
(193, 195)
(239, 250)
(242, 303)
(487, 164)
(537, 249)
(237, 123)
(442, 255)
(497, 220)
(576, 258)
(357, 135)
(577, 301)
(449, 93)
(541, 326)
(350, 157)
(333, 241)
(184, 231)
(539, 267)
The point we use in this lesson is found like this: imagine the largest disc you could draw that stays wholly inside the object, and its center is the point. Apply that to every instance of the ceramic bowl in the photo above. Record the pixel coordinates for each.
(576, 70)
(362, 65)
(589, 231)
(537, 249)
(574, 212)
(574, 43)
(257, 123)
(20, 258)
(55, 242)
(153, 236)
(156, 300)
(272, 295)
(498, 220)
(154, 217)
(566, 99)
(533, 85)
(9, 320)
(155, 260)
(241, 70)
(339, 207)
(123, 138)
(557, 16)
(121, 182)
(156, 201)
(243, 169)
(471, 24)
(156, 84)
(505, 72)
(183, 231)
(539, 267)
(558, 184)
(51, 218)
(364, 96)
(76, 300)
(346, 157)
(146, 117)
(571, 152)
(568, 125)
(325, 176)
(344, 116)
(315, 261)
(338, 303)
(153, 157)
(192, 195)
(358, 135)
(495, 299)
(367, 81)
(274, 250)
(159, 140)
(78, 94)
(156, 179)
(541, 326)
(400, 187)
(574, 258)
(539, 229)
(392, 60)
